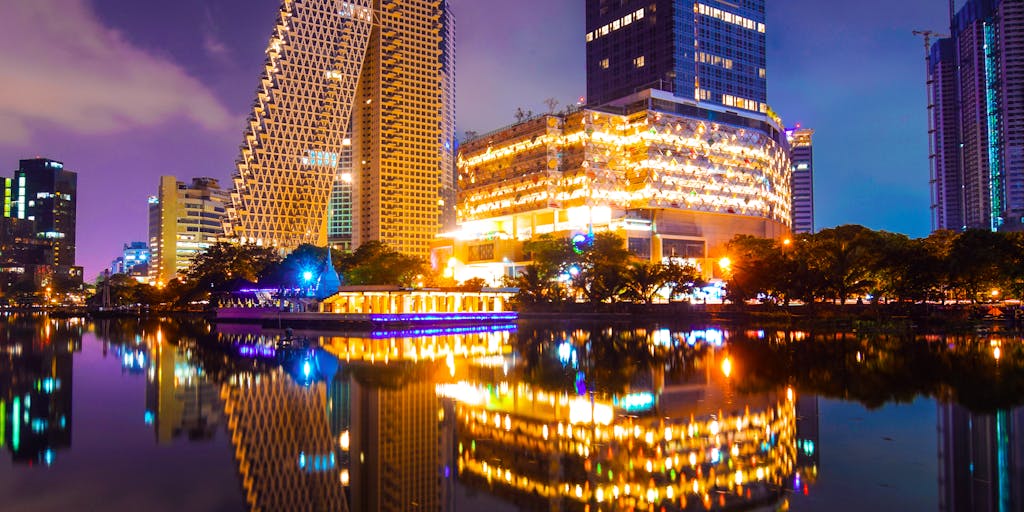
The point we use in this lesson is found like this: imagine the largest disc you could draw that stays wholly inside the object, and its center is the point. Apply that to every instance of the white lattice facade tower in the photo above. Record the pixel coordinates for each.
(372, 63)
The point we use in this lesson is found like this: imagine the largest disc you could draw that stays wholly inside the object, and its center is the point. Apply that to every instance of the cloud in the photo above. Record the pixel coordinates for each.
(65, 69)
(215, 48)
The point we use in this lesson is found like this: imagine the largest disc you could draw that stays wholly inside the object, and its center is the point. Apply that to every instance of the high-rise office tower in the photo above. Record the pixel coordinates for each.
(184, 220)
(708, 50)
(446, 123)
(44, 192)
(985, 57)
(375, 66)
(802, 181)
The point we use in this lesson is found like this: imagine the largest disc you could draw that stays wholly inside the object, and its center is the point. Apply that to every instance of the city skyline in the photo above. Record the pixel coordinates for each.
(143, 106)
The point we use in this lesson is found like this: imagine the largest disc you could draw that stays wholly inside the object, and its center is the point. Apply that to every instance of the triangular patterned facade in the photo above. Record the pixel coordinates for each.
(377, 65)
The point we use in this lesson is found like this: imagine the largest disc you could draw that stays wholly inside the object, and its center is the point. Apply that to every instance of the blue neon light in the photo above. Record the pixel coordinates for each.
(264, 351)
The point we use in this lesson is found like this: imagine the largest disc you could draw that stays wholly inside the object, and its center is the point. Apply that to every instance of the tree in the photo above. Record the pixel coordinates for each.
(845, 256)
(754, 261)
(979, 261)
(223, 265)
(643, 280)
(374, 263)
(598, 271)
(535, 286)
(552, 105)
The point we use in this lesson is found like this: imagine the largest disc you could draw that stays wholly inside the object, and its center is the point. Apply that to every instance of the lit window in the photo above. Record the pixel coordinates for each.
(604, 63)
(639, 61)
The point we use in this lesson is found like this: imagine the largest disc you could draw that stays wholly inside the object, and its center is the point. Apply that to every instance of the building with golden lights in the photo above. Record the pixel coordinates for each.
(378, 68)
(184, 220)
(674, 177)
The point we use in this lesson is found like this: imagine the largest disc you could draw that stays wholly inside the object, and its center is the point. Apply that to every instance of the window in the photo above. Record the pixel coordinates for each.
(604, 63)
(638, 62)
(640, 247)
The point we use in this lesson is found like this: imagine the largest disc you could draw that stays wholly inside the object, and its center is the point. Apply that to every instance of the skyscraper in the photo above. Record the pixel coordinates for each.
(983, 65)
(802, 182)
(708, 50)
(184, 220)
(44, 192)
(375, 66)
(947, 178)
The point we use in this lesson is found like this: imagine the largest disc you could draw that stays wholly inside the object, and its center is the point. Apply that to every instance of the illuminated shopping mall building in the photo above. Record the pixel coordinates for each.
(676, 165)
(378, 68)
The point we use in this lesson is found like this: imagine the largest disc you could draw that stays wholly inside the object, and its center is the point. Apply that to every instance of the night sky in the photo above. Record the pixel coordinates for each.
(124, 91)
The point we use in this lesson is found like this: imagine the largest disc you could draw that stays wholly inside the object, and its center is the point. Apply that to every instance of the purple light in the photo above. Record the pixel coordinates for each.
(448, 317)
(441, 331)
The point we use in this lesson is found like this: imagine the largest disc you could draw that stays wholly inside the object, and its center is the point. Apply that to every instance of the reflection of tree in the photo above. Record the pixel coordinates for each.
(879, 369)
(610, 358)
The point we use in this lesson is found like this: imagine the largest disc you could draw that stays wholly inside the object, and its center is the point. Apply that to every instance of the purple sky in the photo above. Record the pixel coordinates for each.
(124, 91)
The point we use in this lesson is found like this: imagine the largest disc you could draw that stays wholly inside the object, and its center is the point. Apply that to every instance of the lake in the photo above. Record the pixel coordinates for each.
(184, 415)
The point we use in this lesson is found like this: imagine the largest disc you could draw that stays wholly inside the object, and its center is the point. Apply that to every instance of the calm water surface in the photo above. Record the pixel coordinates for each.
(187, 416)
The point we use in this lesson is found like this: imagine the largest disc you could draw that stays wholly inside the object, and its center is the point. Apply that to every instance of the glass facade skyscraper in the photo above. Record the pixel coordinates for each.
(977, 125)
(46, 193)
(709, 50)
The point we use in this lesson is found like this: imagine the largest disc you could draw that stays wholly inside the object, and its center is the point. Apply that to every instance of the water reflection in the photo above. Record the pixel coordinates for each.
(539, 417)
(35, 388)
(981, 459)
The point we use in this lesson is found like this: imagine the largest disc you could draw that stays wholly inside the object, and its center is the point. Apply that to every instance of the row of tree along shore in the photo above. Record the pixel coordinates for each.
(842, 266)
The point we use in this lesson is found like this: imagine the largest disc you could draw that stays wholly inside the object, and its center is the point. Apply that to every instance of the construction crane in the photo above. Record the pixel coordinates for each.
(933, 178)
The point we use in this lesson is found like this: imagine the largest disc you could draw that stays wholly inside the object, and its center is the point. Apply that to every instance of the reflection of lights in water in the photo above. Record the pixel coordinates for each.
(996, 353)
(727, 366)
(344, 441)
(306, 369)
(344, 477)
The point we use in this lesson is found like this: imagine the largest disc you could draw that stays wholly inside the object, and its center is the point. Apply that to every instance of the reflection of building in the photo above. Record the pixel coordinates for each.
(283, 443)
(678, 438)
(178, 398)
(674, 178)
(35, 390)
(981, 460)
(184, 220)
(808, 455)
(396, 449)
(375, 68)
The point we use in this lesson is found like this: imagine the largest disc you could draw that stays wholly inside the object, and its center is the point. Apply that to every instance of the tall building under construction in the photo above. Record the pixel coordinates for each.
(380, 68)
(976, 128)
